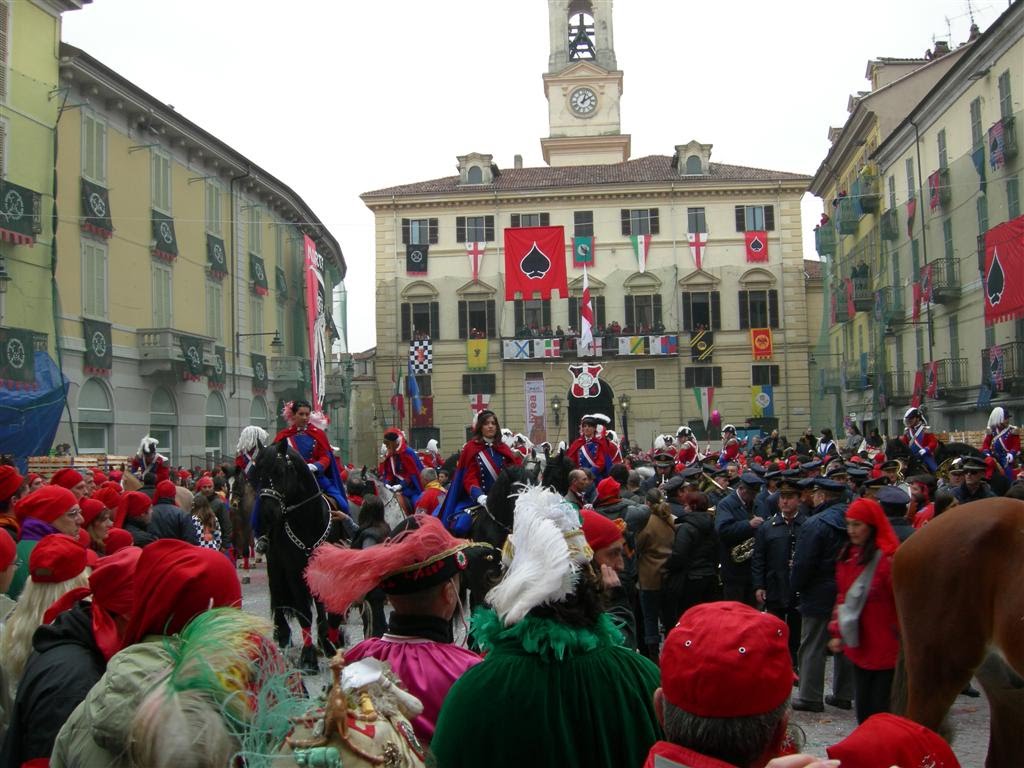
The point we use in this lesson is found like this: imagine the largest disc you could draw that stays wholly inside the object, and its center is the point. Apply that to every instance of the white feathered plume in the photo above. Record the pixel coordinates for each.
(997, 417)
(250, 437)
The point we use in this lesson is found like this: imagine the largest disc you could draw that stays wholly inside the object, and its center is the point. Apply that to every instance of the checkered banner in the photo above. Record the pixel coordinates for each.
(421, 356)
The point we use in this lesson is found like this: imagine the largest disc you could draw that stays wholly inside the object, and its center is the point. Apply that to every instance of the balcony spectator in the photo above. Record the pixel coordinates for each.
(559, 333)
(523, 333)
(659, 327)
(614, 327)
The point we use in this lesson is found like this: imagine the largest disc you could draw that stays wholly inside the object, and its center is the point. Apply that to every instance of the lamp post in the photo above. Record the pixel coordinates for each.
(624, 405)
(556, 408)
(276, 344)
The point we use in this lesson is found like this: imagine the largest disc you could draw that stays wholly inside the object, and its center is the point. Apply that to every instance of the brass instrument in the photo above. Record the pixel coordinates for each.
(742, 551)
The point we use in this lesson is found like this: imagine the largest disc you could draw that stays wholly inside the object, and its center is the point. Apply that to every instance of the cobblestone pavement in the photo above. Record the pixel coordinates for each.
(969, 717)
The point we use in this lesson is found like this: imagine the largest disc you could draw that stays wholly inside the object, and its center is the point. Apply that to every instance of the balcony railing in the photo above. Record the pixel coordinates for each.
(1002, 367)
(1010, 146)
(160, 350)
(893, 312)
(830, 381)
(287, 370)
(857, 379)
(825, 240)
(863, 296)
(846, 213)
(951, 375)
(869, 198)
(890, 225)
(945, 280)
(899, 386)
(842, 313)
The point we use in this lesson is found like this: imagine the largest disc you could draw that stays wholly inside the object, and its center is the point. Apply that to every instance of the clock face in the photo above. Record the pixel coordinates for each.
(583, 101)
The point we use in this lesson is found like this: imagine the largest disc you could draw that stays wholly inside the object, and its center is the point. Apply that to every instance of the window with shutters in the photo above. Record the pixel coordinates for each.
(1005, 98)
(94, 148)
(94, 279)
(892, 192)
(478, 383)
(915, 258)
(160, 181)
(419, 231)
(163, 299)
(256, 323)
(696, 220)
(982, 206)
(919, 343)
(474, 229)
(764, 375)
(911, 184)
(947, 240)
(215, 310)
(702, 376)
(643, 314)
(596, 302)
(530, 220)
(420, 320)
(639, 221)
(5, 50)
(254, 229)
(477, 319)
(1012, 198)
(532, 315)
(701, 311)
(214, 218)
(424, 385)
(943, 153)
(759, 309)
(755, 218)
(583, 224)
(645, 378)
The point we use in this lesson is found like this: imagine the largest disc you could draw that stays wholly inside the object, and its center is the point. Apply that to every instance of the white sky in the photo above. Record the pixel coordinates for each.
(337, 97)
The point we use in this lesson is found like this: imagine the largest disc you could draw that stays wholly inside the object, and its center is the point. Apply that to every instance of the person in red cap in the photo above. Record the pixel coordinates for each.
(72, 479)
(133, 514)
(35, 481)
(80, 633)
(607, 538)
(726, 678)
(52, 509)
(174, 583)
(56, 565)
(168, 520)
(864, 626)
(8, 558)
(10, 483)
(118, 539)
(97, 521)
(884, 740)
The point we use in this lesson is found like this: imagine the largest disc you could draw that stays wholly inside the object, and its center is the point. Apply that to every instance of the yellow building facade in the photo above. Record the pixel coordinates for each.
(519, 355)
(182, 292)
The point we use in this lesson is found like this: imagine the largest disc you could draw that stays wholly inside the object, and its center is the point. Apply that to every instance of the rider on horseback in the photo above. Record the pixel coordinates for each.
(1002, 441)
(148, 460)
(592, 450)
(310, 441)
(687, 446)
(730, 446)
(919, 440)
(400, 468)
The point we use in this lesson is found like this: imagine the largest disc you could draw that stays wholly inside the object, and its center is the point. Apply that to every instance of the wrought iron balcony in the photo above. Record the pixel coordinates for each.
(893, 312)
(1010, 147)
(869, 197)
(287, 370)
(890, 225)
(830, 381)
(898, 386)
(951, 376)
(160, 350)
(839, 304)
(846, 213)
(1002, 367)
(825, 240)
(945, 281)
(863, 296)
(855, 378)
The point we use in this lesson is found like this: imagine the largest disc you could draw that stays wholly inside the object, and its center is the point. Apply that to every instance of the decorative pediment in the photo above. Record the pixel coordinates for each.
(419, 289)
(699, 279)
(477, 168)
(757, 276)
(478, 288)
(642, 282)
(576, 286)
(581, 69)
(692, 159)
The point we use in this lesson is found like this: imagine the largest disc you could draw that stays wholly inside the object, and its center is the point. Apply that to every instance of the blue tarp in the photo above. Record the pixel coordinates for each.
(29, 417)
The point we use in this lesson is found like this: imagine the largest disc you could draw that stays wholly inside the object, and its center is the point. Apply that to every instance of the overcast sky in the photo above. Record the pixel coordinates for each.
(338, 97)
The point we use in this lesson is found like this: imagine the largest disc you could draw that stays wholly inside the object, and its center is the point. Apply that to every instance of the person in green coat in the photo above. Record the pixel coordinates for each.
(556, 687)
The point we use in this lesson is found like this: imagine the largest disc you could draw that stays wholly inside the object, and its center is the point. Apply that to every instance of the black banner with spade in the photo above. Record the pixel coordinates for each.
(192, 353)
(17, 357)
(259, 372)
(165, 243)
(99, 350)
(416, 259)
(218, 371)
(216, 256)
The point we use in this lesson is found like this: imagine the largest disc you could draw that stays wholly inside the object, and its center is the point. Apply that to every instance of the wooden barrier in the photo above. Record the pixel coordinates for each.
(46, 466)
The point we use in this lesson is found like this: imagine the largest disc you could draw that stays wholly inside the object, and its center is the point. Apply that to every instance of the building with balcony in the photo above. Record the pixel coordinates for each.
(673, 321)
(858, 359)
(181, 309)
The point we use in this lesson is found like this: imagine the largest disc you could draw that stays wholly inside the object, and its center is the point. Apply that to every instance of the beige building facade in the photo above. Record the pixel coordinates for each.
(519, 355)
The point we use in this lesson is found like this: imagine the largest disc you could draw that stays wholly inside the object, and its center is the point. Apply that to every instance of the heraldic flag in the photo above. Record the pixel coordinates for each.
(583, 251)
(535, 262)
(586, 340)
(705, 398)
(1004, 271)
(757, 245)
(476, 354)
(641, 245)
(762, 401)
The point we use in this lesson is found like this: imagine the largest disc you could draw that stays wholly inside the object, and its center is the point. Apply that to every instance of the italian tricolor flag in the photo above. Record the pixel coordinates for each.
(705, 397)
(641, 245)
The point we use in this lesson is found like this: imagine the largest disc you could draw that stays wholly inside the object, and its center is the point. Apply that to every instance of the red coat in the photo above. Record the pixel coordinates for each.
(687, 454)
(322, 453)
(471, 471)
(926, 439)
(430, 500)
(605, 455)
(879, 626)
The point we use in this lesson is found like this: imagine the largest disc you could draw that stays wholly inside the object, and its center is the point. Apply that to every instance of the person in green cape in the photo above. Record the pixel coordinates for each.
(556, 686)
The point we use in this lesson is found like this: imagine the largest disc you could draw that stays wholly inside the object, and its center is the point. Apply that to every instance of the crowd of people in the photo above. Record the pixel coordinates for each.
(665, 612)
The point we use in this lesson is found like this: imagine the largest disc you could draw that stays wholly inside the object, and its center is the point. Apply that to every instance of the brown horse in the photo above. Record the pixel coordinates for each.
(959, 585)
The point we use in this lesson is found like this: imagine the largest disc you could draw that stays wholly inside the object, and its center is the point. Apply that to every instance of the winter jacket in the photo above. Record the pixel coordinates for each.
(813, 575)
(694, 548)
(139, 531)
(169, 521)
(220, 509)
(964, 496)
(879, 635)
(635, 516)
(774, 545)
(98, 731)
(653, 547)
(732, 523)
(65, 665)
(902, 527)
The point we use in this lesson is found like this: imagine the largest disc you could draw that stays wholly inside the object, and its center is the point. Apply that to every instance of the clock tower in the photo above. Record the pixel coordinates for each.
(583, 86)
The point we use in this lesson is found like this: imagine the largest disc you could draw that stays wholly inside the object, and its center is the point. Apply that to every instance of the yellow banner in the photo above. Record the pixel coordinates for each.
(476, 354)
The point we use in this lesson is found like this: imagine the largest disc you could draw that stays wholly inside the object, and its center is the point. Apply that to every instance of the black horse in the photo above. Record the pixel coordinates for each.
(897, 449)
(296, 520)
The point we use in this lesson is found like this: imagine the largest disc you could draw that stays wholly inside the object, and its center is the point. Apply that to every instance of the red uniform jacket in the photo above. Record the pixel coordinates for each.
(879, 626)
(322, 454)
(471, 471)
(163, 472)
(687, 454)
(603, 457)
(925, 438)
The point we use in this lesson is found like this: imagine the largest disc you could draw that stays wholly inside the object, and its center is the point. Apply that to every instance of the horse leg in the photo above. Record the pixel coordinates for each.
(1005, 691)
(278, 603)
(327, 636)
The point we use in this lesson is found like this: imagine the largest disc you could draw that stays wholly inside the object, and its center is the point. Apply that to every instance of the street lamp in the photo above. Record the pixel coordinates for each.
(276, 344)
(556, 406)
(624, 405)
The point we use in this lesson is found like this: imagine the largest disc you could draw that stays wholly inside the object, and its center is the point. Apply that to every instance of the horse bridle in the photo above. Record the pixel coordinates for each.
(506, 528)
(273, 493)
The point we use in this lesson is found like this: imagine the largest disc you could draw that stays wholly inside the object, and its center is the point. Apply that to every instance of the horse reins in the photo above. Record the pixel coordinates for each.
(272, 493)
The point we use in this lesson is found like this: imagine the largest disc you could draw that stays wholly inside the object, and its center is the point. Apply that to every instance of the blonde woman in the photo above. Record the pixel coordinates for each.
(56, 565)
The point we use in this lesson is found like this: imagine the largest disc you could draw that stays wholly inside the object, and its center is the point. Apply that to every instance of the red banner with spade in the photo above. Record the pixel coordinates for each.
(757, 245)
(1004, 271)
(535, 262)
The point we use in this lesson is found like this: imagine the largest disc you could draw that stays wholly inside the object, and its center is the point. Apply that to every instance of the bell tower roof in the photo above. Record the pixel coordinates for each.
(580, 30)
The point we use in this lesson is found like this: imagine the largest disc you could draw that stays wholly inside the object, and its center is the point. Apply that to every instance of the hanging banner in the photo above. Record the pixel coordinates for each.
(19, 214)
(761, 343)
(851, 308)
(1004, 271)
(757, 245)
(216, 260)
(259, 373)
(535, 262)
(702, 346)
(641, 247)
(918, 394)
(762, 401)
(192, 354)
(927, 284)
(934, 182)
(475, 252)
(96, 210)
(17, 361)
(316, 323)
(416, 259)
(479, 402)
(705, 397)
(995, 367)
(698, 242)
(911, 212)
(582, 252)
(997, 145)
(421, 356)
(978, 158)
(99, 351)
(547, 347)
(218, 372)
(165, 243)
(586, 340)
(258, 275)
(476, 354)
(536, 408)
(424, 415)
(931, 377)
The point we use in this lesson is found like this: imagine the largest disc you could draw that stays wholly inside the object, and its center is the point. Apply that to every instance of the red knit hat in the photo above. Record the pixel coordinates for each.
(56, 558)
(117, 539)
(98, 478)
(10, 482)
(204, 482)
(725, 659)
(175, 582)
(132, 504)
(608, 490)
(599, 531)
(46, 504)
(115, 475)
(870, 511)
(91, 509)
(884, 740)
(68, 478)
(108, 496)
(8, 551)
(165, 489)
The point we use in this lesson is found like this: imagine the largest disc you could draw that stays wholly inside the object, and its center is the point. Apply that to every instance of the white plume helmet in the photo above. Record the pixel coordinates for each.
(612, 435)
(997, 417)
(251, 437)
(914, 412)
(561, 446)
(684, 431)
(432, 445)
(148, 445)
(542, 556)
(507, 437)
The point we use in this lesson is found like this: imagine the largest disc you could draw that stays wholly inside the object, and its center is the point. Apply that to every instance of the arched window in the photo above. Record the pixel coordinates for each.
(95, 417)
(216, 425)
(163, 421)
(475, 175)
(693, 165)
(259, 415)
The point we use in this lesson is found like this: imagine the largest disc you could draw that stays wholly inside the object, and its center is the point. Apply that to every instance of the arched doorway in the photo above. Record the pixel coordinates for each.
(95, 417)
(163, 421)
(581, 406)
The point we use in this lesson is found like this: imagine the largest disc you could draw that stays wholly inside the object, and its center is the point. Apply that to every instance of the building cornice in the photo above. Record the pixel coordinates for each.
(57, 7)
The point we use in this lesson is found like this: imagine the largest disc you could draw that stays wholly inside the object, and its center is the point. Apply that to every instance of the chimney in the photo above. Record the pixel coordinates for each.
(975, 32)
(941, 49)
(517, 162)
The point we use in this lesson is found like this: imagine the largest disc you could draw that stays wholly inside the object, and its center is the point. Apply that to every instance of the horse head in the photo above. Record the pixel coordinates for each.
(556, 473)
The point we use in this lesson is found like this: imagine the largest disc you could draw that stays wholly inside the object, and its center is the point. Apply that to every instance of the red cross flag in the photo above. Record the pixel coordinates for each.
(478, 403)
(475, 252)
(698, 240)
